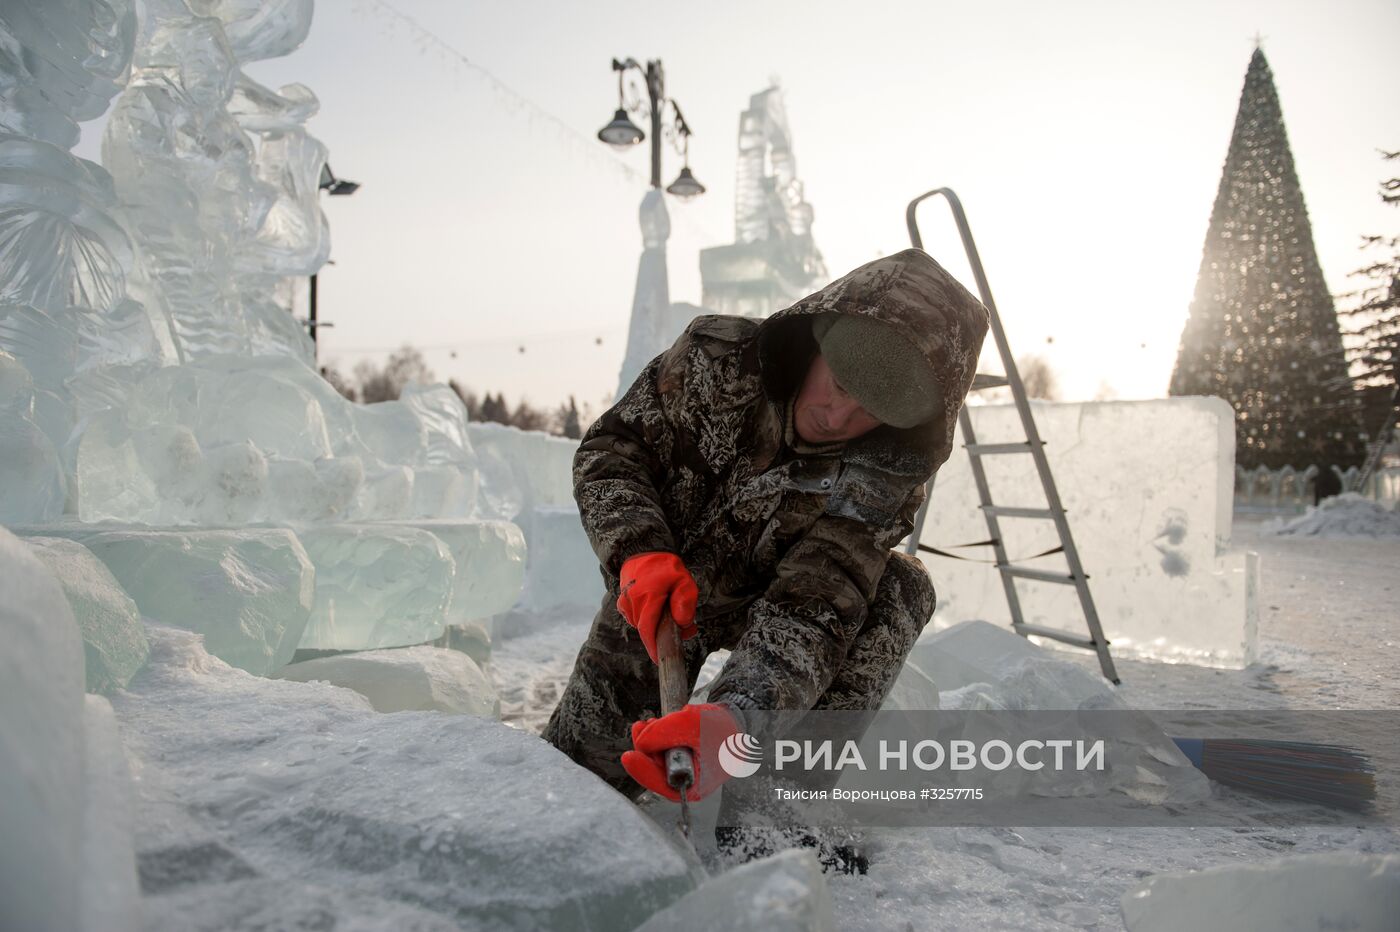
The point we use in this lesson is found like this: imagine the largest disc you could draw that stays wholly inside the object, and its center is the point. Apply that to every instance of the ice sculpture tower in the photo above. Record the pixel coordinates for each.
(773, 260)
(651, 318)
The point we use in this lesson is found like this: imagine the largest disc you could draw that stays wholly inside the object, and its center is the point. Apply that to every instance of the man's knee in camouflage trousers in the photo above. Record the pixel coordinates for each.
(752, 481)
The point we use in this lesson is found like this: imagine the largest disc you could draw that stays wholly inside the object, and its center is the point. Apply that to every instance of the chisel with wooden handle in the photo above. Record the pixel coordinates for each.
(675, 693)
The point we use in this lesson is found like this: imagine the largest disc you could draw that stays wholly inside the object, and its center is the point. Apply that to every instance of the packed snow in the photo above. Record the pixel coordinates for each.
(412, 679)
(1327, 641)
(1345, 515)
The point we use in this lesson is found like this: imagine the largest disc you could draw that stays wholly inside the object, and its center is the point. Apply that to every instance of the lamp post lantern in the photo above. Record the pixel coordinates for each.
(622, 133)
(653, 314)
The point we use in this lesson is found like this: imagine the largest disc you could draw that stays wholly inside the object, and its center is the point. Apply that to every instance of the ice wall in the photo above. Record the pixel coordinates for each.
(529, 476)
(1148, 488)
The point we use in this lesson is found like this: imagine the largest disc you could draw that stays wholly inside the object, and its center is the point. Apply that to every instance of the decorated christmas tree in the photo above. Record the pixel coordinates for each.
(1263, 331)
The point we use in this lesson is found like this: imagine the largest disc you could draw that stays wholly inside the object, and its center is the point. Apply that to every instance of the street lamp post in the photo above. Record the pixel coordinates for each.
(334, 186)
(653, 315)
(622, 133)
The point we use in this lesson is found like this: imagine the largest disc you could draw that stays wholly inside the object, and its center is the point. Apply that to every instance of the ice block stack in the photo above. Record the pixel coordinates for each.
(158, 401)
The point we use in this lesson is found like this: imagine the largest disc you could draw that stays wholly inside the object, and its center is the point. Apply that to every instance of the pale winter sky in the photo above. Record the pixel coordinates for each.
(1085, 139)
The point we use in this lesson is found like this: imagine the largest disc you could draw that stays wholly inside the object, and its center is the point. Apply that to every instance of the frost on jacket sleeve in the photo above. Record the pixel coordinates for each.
(800, 630)
(618, 471)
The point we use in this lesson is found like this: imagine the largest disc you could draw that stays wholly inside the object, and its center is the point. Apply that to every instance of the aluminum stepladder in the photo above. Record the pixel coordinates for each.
(1032, 445)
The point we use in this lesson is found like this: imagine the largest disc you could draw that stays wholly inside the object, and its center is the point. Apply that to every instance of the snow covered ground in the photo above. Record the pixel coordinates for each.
(273, 804)
(1329, 639)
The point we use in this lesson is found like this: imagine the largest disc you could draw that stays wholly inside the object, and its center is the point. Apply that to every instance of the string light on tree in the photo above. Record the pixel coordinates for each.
(1263, 331)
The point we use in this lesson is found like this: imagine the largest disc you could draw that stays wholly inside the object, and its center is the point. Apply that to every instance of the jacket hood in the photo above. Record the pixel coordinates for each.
(914, 294)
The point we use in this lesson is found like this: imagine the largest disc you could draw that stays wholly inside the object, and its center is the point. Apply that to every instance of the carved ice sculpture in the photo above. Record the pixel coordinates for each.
(219, 215)
(67, 331)
(151, 375)
(148, 373)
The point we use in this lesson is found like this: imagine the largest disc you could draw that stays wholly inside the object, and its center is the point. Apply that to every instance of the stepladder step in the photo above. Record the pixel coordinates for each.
(982, 381)
(988, 449)
(1010, 511)
(1055, 634)
(1025, 572)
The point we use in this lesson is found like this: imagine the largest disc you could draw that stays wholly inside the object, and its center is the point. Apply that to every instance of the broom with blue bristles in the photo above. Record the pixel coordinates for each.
(1325, 774)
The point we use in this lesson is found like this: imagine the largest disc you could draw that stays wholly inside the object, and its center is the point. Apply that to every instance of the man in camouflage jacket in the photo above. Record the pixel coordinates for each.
(789, 542)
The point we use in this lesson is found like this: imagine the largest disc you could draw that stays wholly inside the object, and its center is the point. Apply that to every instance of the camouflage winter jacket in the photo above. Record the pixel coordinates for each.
(786, 541)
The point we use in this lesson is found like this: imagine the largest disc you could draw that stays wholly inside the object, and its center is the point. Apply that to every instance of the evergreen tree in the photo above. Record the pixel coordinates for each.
(493, 408)
(529, 418)
(1263, 331)
(469, 399)
(1375, 312)
(572, 429)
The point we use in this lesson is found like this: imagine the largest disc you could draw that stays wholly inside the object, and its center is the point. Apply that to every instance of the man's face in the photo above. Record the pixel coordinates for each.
(824, 413)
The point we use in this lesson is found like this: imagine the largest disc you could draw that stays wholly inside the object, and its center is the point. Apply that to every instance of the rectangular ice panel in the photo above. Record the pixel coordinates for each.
(490, 559)
(377, 585)
(1148, 489)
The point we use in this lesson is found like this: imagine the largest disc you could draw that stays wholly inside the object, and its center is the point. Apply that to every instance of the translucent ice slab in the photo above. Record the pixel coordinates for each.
(377, 585)
(114, 640)
(406, 679)
(229, 440)
(1148, 486)
(248, 591)
(1335, 890)
(786, 892)
(520, 469)
(32, 485)
(490, 565)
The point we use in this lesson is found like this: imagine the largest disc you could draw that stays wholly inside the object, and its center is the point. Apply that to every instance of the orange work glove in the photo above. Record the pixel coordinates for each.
(702, 728)
(648, 581)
